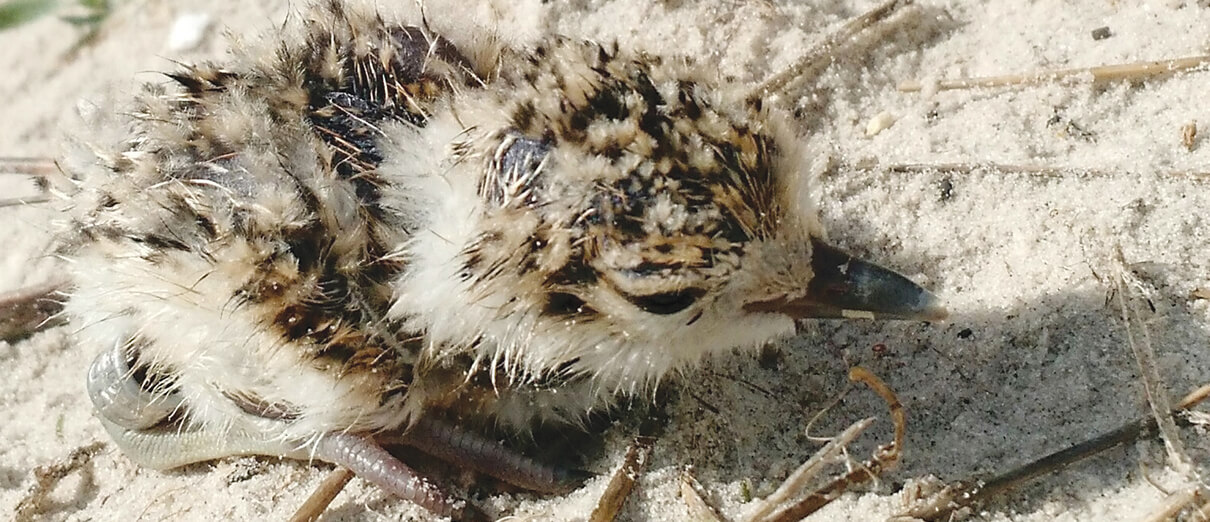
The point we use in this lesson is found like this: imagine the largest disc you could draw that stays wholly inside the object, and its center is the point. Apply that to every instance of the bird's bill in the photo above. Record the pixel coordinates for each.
(846, 287)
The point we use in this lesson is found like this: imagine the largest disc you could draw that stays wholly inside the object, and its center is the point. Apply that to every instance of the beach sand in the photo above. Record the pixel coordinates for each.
(1035, 355)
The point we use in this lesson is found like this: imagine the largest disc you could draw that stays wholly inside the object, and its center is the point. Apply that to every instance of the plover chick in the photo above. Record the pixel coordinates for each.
(366, 232)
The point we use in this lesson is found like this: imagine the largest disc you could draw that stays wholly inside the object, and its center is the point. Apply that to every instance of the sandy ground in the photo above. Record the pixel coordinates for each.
(1035, 356)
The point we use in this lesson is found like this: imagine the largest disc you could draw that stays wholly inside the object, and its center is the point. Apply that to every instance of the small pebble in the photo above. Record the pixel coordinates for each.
(1189, 135)
(947, 189)
(1101, 33)
(879, 123)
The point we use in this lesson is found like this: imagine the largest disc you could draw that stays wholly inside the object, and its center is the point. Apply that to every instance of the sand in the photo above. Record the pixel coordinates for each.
(1034, 357)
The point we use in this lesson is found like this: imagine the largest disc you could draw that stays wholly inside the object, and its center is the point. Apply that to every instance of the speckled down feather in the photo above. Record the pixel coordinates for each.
(369, 222)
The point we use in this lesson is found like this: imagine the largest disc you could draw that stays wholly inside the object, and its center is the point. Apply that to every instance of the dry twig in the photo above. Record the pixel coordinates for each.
(47, 477)
(32, 167)
(1174, 504)
(1103, 73)
(815, 56)
(700, 510)
(959, 495)
(1130, 291)
(884, 459)
(797, 481)
(323, 495)
(28, 310)
(1008, 168)
(623, 480)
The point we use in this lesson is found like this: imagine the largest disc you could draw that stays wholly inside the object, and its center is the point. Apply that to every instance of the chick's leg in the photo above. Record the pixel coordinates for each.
(470, 450)
(149, 429)
(366, 459)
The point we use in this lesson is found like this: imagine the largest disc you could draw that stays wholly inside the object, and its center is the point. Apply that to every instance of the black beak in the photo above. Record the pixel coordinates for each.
(847, 287)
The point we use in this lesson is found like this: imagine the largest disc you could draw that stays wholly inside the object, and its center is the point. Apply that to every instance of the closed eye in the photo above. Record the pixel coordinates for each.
(666, 303)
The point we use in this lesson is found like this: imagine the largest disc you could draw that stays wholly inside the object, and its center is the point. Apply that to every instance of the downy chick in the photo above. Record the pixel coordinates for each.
(369, 233)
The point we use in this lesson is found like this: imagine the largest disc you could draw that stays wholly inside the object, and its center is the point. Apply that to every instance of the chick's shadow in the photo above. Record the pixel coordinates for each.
(985, 392)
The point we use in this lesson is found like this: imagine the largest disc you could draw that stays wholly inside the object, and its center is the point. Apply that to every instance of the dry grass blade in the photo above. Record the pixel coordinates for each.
(1033, 170)
(1103, 73)
(20, 202)
(816, 55)
(969, 168)
(700, 510)
(323, 495)
(797, 481)
(1193, 398)
(1131, 294)
(1174, 504)
(41, 170)
(33, 167)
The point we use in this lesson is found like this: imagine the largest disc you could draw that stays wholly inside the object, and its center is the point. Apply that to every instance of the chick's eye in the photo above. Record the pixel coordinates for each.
(666, 303)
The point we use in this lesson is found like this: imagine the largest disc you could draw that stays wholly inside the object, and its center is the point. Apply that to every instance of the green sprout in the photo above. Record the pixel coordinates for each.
(17, 12)
(86, 14)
